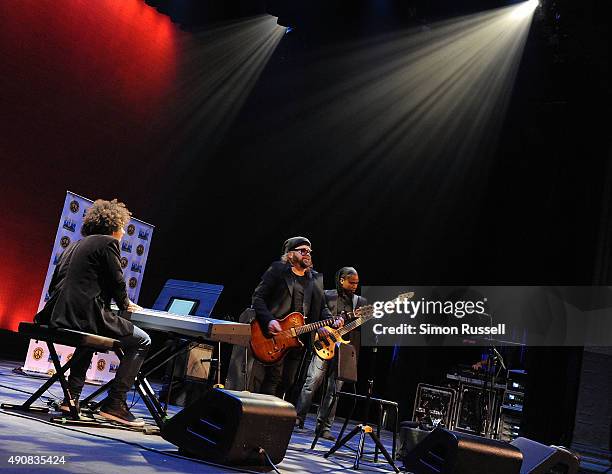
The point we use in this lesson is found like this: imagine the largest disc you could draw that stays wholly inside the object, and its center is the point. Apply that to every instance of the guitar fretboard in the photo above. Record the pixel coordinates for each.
(313, 326)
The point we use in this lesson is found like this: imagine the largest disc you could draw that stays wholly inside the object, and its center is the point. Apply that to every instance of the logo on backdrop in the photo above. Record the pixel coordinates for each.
(133, 282)
(101, 364)
(140, 249)
(126, 247)
(124, 262)
(131, 229)
(143, 234)
(69, 225)
(74, 206)
(65, 241)
(38, 353)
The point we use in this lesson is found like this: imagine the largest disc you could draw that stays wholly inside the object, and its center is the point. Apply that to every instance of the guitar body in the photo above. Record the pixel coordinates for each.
(326, 348)
(270, 349)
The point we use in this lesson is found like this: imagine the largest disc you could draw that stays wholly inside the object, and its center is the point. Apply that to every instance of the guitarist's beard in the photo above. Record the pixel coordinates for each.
(300, 263)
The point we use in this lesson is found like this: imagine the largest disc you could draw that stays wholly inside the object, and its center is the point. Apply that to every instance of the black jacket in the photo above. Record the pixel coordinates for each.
(273, 296)
(354, 337)
(86, 278)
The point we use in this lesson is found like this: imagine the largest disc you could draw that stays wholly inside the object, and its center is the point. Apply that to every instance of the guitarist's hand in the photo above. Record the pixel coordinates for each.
(338, 323)
(274, 327)
(323, 333)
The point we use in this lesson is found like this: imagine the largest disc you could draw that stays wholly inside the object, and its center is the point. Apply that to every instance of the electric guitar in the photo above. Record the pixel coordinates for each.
(271, 348)
(325, 347)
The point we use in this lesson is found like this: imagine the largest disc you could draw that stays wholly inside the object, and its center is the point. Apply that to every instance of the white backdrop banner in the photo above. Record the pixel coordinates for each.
(134, 253)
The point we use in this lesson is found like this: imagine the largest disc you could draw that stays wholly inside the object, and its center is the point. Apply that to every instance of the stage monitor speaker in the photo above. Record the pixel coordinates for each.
(410, 435)
(450, 452)
(230, 427)
(541, 459)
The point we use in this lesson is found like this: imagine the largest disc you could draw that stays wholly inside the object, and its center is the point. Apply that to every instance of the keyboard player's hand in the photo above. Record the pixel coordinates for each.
(133, 307)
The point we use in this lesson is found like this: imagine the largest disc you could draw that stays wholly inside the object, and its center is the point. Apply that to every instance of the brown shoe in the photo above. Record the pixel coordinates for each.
(117, 410)
(65, 407)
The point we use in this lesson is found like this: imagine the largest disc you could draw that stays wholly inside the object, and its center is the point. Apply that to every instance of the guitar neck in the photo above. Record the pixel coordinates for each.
(319, 324)
(313, 326)
(363, 314)
(353, 324)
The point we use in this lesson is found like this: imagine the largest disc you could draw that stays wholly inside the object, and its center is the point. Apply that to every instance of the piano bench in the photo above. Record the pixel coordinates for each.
(66, 337)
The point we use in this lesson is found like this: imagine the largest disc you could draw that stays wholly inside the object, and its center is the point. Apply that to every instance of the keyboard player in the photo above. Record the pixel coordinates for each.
(87, 276)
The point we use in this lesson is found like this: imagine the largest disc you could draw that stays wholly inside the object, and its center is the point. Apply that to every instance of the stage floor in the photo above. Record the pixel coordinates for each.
(111, 450)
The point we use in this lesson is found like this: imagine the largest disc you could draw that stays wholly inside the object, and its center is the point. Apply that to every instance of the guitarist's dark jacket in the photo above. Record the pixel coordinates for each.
(272, 299)
(354, 336)
(273, 296)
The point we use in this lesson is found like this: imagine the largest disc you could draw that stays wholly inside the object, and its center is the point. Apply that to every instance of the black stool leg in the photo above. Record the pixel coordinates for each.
(62, 380)
(58, 376)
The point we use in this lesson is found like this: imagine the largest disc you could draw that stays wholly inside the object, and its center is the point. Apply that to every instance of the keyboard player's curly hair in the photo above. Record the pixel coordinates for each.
(105, 217)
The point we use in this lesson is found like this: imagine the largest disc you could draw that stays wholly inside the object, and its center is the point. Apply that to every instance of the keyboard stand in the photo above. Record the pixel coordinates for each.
(142, 385)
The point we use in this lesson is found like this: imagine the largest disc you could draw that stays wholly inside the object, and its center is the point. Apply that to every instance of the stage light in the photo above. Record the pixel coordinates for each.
(525, 9)
(422, 100)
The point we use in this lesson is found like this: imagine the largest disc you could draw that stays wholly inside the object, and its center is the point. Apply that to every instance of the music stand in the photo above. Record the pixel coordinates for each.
(364, 429)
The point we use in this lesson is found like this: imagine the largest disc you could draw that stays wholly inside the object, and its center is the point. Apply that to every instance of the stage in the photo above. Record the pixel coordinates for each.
(108, 449)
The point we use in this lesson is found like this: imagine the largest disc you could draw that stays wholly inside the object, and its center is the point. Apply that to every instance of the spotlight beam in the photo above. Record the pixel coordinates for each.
(409, 99)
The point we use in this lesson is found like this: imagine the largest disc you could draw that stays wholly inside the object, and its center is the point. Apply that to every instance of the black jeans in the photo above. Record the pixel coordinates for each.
(280, 379)
(135, 348)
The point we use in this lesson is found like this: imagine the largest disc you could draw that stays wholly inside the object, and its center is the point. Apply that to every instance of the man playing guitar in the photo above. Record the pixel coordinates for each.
(342, 300)
(289, 285)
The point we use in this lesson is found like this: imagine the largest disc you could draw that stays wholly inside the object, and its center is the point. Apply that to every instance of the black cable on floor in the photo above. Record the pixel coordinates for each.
(263, 451)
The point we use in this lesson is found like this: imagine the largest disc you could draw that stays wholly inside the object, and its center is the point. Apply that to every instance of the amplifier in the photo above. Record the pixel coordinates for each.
(516, 381)
(471, 413)
(197, 365)
(434, 405)
(509, 425)
(187, 377)
(513, 400)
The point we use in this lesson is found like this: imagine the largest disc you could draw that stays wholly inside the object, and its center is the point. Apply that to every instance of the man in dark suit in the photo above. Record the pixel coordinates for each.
(342, 302)
(289, 285)
(87, 276)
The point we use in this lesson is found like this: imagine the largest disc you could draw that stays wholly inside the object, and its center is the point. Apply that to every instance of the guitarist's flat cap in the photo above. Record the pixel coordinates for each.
(294, 242)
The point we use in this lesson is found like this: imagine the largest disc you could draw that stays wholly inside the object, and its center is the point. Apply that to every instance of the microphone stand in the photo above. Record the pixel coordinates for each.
(493, 358)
